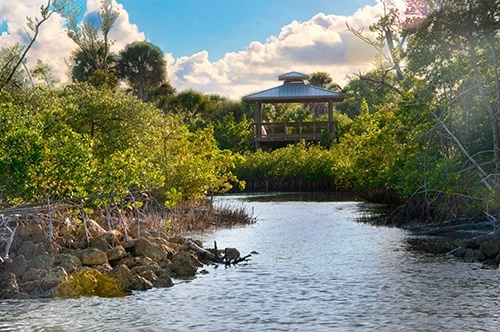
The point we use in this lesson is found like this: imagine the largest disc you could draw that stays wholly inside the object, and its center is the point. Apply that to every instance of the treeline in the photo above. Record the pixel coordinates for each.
(421, 130)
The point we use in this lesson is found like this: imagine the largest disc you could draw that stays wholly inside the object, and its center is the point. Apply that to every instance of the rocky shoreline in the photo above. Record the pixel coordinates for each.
(103, 263)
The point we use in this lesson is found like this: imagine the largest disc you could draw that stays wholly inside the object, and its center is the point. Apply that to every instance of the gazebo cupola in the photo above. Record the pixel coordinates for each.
(293, 78)
(293, 90)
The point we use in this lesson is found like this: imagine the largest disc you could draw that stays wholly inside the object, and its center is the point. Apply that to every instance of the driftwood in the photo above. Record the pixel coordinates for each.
(231, 255)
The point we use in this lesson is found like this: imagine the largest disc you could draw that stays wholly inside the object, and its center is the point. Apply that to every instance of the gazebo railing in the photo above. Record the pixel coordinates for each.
(292, 131)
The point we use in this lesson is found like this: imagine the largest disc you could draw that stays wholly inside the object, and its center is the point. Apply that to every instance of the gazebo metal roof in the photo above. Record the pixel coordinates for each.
(294, 90)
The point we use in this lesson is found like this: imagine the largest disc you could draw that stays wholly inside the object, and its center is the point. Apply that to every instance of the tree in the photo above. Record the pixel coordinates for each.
(18, 54)
(323, 80)
(142, 65)
(94, 55)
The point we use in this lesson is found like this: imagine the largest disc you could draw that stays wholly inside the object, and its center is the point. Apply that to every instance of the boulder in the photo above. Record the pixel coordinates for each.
(17, 266)
(116, 253)
(157, 252)
(93, 256)
(182, 265)
(140, 283)
(69, 262)
(31, 232)
(93, 228)
(458, 252)
(101, 244)
(89, 282)
(153, 266)
(8, 285)
(43, 260)
(163, 279)
(490, 247)
(53, 277)
(474, 255)
(123, 275)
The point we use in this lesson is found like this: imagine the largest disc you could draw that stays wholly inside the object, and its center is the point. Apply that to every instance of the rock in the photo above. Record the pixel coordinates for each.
(182, 265)
(140, 283)
(34, 275)
(69, 262)
(53, 277)
(458, 252)
(158, 252)
(116, 253)
(93, 256)
(123, 275)
(43, 260)
(17, 266)
(89, 282)
(474, 255)
(101, 244)
(153, 266)
(490, 247)
(8, 285)
(31, 232)
(163, 279)
(149, 275)
(129, 261)
(231, 254)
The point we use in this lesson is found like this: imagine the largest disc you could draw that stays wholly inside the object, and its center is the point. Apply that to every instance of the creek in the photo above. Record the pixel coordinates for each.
(318, 269)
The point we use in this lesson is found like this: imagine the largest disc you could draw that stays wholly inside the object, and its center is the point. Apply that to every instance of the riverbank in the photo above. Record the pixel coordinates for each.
(110, 256)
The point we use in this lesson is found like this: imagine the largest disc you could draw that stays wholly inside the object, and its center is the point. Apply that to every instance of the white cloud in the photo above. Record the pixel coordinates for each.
(322, 43)
(52, 46)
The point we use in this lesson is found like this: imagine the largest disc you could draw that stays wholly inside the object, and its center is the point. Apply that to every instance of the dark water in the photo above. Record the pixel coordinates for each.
(317, 270)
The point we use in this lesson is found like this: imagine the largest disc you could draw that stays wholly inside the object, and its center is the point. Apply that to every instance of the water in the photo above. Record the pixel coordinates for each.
(317, 270)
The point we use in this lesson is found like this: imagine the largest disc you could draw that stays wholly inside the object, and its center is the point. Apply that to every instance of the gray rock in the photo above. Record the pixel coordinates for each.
(101, 244)
(140, 283)
(123, 275)
(8, 285)
(182, 265)
(41, 260)
(474, 255)
(158, 252)
(490, 247)
(116, 253)
(17, 266)
(53, 277)
(69, 262)
(93, 256)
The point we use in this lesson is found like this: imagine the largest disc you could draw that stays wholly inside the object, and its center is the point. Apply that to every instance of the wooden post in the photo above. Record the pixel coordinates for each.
(331, 125)
(258, 124)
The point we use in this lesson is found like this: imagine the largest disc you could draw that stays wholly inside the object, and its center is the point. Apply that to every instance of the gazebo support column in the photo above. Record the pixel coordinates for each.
(258, 124)
(331, 126)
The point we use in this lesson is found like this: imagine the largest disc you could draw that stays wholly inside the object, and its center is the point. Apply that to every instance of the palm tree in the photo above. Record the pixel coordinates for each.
(142, 65)
(321, 80)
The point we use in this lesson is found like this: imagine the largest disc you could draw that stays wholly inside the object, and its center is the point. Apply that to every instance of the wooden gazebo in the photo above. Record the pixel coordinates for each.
(293, 90)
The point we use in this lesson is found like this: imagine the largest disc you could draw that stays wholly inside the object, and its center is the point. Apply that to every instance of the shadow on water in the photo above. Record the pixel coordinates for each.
(302, 197)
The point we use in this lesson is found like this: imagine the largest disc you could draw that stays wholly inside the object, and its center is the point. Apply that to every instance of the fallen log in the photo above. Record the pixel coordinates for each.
(207, 254)
(231, 255)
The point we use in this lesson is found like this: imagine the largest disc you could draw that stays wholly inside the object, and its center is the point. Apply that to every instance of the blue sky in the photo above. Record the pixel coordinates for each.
(228, 47)
(184, 27)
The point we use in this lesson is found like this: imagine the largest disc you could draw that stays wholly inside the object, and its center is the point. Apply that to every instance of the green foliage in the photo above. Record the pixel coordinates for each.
(78, 141)
(143, 67)
(301, 161)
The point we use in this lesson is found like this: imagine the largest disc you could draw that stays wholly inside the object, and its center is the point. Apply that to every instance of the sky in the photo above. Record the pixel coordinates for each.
(229, 47)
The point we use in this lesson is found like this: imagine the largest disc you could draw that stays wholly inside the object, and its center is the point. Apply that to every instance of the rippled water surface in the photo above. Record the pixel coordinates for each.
(317, 270)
